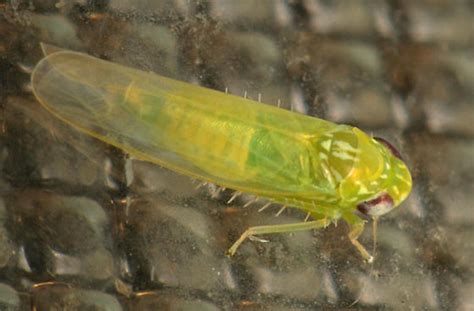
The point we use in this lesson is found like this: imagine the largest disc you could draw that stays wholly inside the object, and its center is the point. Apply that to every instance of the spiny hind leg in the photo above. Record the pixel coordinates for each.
(357, 227)
(316, 224)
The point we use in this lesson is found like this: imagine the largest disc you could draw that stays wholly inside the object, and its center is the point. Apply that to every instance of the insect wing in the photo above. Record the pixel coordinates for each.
(229, 140)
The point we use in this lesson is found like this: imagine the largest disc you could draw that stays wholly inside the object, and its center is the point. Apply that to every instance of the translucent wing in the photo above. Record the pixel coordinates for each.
(228, 140)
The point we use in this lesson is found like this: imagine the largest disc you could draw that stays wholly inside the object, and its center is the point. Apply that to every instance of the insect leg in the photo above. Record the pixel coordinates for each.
(280, 211)
(251, 202)
(201, 184)
(321, 223)
(356, 230)
(236, 194)
(265, 207)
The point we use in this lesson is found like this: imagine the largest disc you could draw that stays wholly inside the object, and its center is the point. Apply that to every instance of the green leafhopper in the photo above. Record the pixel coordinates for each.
(328, 170)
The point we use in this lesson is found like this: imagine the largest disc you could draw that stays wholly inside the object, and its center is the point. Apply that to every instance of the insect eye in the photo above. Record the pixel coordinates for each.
(378, 206)
(390, 147)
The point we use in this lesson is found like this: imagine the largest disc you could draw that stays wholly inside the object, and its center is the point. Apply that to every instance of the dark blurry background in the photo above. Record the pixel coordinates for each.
(84, 227)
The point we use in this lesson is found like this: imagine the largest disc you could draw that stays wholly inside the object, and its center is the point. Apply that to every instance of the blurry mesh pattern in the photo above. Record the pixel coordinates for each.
(85, 227)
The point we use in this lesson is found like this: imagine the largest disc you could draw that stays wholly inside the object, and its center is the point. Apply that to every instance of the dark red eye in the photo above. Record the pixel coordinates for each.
(390, 147)
(376, 207)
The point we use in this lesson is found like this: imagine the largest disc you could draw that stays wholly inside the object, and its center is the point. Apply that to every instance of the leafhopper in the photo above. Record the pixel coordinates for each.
(327, 170)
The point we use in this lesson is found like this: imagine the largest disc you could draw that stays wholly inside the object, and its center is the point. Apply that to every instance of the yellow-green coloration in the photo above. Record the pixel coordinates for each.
(299, 161)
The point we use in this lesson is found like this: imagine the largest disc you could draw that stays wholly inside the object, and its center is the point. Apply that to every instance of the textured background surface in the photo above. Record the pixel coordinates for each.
(84, 227)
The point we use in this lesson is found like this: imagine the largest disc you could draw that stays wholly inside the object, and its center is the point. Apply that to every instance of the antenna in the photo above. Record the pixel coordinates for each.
(375, 220)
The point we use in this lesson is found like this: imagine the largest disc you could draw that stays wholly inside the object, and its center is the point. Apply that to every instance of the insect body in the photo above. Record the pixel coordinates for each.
(325, 169)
